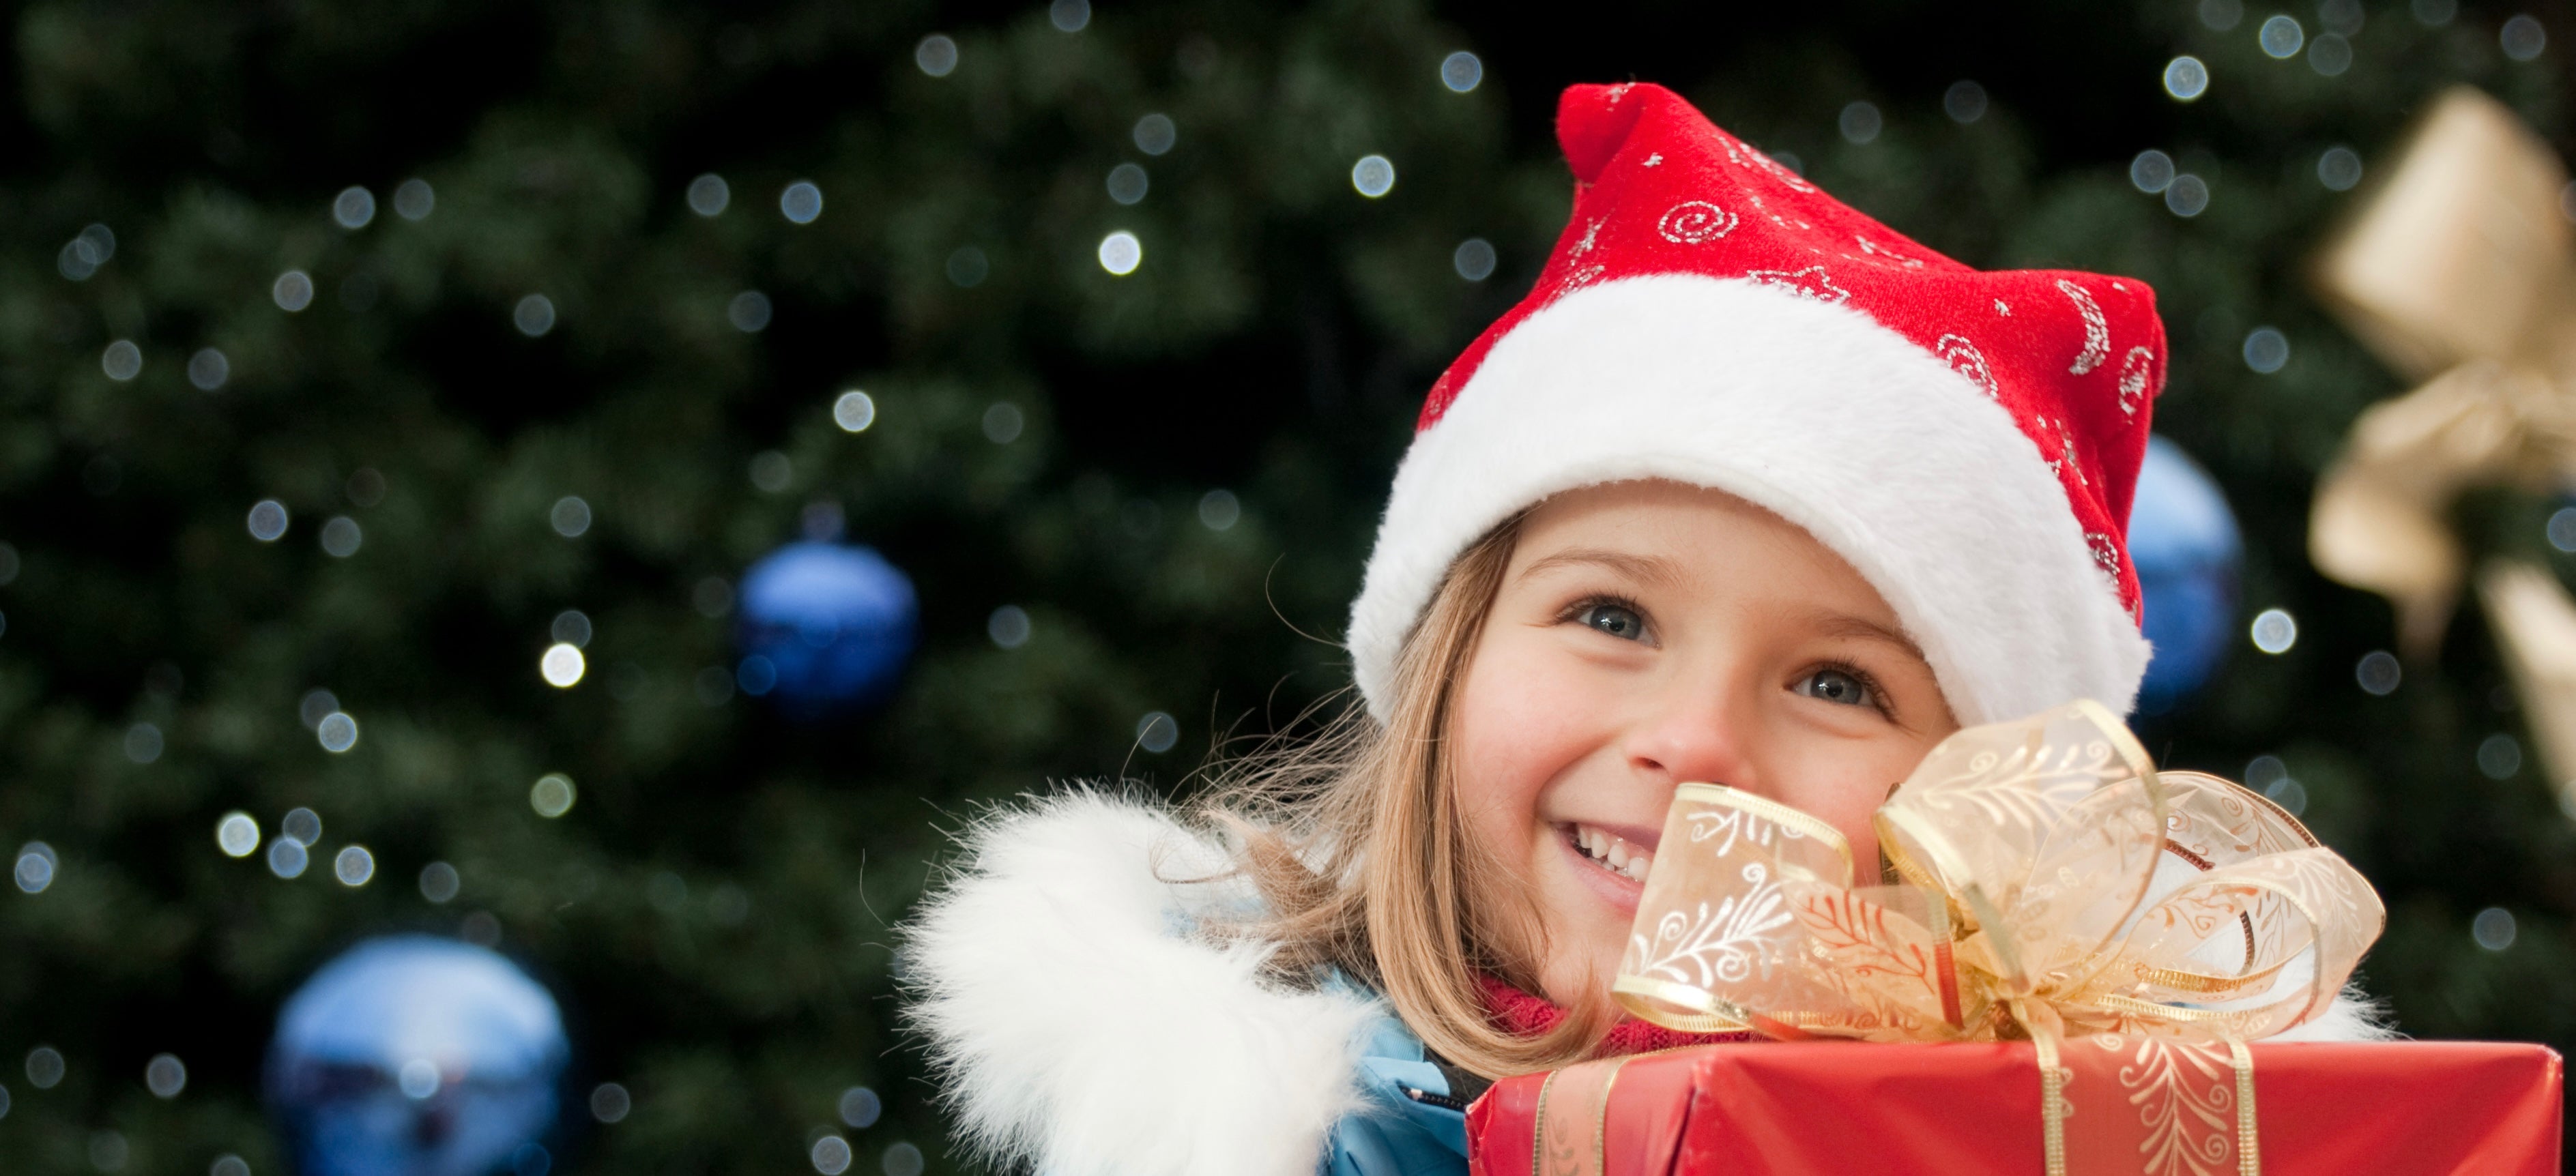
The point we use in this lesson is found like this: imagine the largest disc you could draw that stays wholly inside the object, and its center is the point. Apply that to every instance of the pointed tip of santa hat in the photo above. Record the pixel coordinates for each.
(1592, 121)
(1967, 439)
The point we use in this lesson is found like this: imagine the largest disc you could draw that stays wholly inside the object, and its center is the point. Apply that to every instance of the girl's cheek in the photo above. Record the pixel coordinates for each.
(1519, 724)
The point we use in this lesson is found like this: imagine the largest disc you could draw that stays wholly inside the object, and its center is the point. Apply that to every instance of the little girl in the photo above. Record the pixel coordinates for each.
(1749, 490)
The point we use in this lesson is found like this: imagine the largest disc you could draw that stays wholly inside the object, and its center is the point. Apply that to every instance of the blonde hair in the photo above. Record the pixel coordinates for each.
(1355, 842)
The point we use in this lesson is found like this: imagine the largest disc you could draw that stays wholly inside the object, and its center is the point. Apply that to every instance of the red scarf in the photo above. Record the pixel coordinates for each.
(1524, 1015)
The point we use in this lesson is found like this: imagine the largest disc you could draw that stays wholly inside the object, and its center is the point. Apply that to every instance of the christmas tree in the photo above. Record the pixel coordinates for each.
(392, 400)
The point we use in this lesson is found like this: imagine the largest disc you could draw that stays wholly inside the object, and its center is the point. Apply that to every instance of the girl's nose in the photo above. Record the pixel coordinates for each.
(1695, 732)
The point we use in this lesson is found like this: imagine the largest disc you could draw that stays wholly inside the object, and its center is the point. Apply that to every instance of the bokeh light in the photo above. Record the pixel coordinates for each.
(609, 1102)
(569, 516)
(2281, 37)
(2186, 78)
(1220, 510)
(341, 537)
(709, 194)
(562, 666)
(2151, 171)
(45, 1067)
(414, 199)
(936, 55)
(1373, 176)
(1128, 183)
(354, 208)
(237, 834)
(552, 795)
(122, 360)
(1155, 134)
(854, 411)
(1069, 16)
(2267, 350)
(439, 882)
(1965, 102)
(1008, 626)
(801, 202)
(34, 872)
(1121, 253)
(337, 733)
(2378, 673)
(165, 1076)
(2187, 196)
(293, 291)
(1860, 122)
(208, 369)
(1461, 71)
(2339, 169)
(2274, 631)
(1157, 732)
(860, 1108)
(1474, 259)
(1003, 421)
(2494, 929)
(2330, 55)
(143, 743)
(267, 520)
(2523, 38)
(534, 315)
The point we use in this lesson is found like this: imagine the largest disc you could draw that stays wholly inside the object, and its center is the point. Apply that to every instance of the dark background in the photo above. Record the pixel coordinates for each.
(1275, 345)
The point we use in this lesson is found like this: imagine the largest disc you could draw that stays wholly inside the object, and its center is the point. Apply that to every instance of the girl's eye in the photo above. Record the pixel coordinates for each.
(1837, 686)
(1617, 620)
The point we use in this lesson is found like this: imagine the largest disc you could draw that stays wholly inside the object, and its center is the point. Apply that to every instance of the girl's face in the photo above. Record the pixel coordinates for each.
(1647, 635)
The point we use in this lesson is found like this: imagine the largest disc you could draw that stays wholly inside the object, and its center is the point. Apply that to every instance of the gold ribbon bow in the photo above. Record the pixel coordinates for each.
(2460, 271)
(2045, 881)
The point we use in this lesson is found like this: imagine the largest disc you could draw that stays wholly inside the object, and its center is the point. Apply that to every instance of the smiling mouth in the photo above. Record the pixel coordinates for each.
(1608, 850)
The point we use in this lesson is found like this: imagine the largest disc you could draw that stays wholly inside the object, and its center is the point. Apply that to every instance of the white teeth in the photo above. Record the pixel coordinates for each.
(1613, 853)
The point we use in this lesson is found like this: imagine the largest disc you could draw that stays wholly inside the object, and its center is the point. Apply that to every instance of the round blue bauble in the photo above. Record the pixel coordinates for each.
(412, 1055)
(825, 628)
(2185, 544)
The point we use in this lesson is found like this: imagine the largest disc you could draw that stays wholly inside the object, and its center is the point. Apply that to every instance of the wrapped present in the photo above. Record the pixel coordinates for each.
(2061, 960)
(1829, 1107)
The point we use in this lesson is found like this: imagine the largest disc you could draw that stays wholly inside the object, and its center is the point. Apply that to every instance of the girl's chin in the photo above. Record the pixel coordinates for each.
(1621, 892)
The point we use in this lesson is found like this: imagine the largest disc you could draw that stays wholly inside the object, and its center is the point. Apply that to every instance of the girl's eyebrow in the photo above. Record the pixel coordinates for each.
(1648, 569)
(1834, 624)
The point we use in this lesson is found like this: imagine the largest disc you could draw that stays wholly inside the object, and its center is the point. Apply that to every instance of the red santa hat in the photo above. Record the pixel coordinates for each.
(1967, 440)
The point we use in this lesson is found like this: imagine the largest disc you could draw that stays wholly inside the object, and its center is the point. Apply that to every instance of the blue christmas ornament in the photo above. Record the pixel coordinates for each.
(2184, 542)
(417, 1056)
(825, 627)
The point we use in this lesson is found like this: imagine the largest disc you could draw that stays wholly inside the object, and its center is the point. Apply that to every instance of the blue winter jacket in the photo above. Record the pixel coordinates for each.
(1411, 1125)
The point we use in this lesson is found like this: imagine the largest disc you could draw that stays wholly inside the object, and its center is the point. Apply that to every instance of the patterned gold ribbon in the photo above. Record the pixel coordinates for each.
(2052, 886)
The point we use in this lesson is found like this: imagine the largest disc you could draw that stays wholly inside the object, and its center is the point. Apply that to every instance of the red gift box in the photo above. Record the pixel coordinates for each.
(1810, 1107)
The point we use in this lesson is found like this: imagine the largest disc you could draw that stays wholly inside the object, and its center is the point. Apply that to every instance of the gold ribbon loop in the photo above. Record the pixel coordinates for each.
(2047, 865)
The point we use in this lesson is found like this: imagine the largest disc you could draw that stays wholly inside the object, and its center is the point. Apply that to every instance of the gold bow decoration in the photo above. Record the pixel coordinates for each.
(2046, 877)
(2043, 880)
(2460, 271)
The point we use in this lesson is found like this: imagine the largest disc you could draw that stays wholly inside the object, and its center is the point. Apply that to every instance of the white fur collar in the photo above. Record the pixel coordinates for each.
(1078, 1027)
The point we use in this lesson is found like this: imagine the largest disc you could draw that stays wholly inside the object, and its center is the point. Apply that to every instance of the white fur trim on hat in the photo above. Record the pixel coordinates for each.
(1813, 411)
